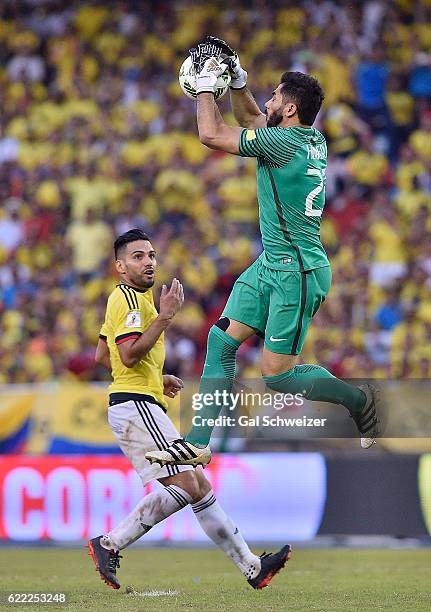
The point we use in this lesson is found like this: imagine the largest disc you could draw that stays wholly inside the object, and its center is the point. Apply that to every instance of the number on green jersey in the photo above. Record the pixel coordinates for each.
(309, 210)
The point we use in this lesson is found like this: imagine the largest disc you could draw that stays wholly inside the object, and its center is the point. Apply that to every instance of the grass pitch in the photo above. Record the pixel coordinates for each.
(172, 579)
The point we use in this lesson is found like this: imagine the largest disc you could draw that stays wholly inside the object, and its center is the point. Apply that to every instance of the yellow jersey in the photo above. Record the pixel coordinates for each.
(129, 313)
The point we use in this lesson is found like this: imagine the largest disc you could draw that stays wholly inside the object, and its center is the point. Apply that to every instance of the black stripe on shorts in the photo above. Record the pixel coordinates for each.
(154, 433)
(174, 468)
(301, 312)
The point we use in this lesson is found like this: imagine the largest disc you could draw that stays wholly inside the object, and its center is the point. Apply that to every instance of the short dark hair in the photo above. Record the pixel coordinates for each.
(305, 91)
(129, 236)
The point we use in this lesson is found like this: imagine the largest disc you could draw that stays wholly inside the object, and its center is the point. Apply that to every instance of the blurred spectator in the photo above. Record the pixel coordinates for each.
(91, 244)
(390, 313)
(11, 226)
(377, 343)
(389, 253)
(420, 76)
(420, 139)
(25, 66)
(371, 78)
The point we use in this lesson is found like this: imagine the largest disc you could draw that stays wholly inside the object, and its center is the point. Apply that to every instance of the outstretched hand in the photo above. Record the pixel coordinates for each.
(171, 300)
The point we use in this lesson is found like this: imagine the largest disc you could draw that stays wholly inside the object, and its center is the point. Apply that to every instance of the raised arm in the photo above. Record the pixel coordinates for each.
(245, 109)
(213, 131)
(134, 349)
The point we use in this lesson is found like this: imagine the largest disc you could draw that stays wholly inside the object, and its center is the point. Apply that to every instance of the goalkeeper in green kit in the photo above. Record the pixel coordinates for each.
(278, 295)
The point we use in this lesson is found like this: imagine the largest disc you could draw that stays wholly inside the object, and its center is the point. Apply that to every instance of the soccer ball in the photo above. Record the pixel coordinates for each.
(187, 79)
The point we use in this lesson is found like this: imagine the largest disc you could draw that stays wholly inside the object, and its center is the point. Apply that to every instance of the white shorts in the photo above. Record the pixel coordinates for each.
(139, 427)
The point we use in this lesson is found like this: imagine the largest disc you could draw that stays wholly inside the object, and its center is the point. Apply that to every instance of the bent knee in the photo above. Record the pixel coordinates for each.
(274, 364)
(194, 484)
(223, 323)
(204, 484)
(273, 370)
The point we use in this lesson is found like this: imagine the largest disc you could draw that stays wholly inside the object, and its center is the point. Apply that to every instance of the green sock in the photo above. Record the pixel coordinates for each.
(217, 376)
(317, 384)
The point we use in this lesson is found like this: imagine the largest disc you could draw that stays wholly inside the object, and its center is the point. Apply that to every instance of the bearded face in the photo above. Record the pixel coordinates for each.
(143, 279)
(273, 118)
(137, 264)
(275, 107)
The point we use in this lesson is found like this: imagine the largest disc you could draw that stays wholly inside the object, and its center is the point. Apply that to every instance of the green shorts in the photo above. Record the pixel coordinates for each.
(278, 304)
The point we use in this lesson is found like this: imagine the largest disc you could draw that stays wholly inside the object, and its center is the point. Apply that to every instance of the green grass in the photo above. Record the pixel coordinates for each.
(334, 579)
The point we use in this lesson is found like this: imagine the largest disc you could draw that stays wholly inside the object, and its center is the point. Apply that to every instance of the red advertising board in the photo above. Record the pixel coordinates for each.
(69, 498)
(64, 498)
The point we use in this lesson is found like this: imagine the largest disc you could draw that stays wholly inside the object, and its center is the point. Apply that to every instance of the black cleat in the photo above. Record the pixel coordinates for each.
(271, 564)
(106, 562)
(368, 422)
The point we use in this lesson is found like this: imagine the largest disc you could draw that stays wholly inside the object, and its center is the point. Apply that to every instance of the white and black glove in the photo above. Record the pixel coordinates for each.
(230, 57)
(208, 68)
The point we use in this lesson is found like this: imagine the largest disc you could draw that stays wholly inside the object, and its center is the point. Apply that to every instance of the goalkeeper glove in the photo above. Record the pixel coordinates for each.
(230, 56)
(207, 67)
(201, 53)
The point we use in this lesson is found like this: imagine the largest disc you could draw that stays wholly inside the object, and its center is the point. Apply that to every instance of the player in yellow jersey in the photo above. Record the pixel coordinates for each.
(131, 345)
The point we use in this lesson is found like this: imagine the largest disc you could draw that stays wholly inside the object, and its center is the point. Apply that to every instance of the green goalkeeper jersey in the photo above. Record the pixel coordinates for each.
(290, 174)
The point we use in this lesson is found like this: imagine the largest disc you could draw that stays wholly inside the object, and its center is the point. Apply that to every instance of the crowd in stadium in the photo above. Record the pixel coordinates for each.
(96, 137)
